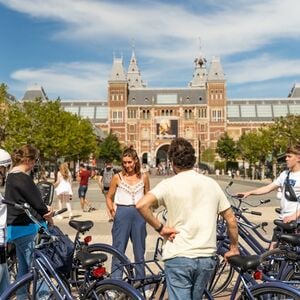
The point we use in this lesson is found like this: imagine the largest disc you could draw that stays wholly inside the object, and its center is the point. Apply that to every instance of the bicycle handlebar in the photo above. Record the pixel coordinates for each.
(26, 206)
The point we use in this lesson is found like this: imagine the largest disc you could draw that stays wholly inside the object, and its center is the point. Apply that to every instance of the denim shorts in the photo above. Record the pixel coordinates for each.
(82, 191)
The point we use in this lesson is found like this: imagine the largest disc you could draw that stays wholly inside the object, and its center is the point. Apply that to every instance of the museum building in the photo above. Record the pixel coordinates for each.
(149, 118)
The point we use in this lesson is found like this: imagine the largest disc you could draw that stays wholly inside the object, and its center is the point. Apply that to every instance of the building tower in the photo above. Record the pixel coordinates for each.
(117, 99)
(216, 100)
(134, 78)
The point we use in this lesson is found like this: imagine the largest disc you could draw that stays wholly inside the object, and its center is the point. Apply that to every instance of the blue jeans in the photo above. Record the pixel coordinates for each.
(24, 250)
(188, 277)
(129, 224)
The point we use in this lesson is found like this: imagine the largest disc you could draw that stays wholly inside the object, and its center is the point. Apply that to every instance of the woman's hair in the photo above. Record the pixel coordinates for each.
(25, 152)
(295, 149)
(64, 170)
(130, 152)
(182, 154)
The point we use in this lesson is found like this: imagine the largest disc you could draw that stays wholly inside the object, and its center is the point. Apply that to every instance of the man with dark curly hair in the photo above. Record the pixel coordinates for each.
(193, 202)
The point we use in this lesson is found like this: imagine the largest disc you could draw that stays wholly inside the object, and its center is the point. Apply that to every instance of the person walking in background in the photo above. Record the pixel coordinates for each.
(289, 183)
(83, 177)
(104, 181)
(126, 189)
(20, 188)
(63, 188)
(193, 202)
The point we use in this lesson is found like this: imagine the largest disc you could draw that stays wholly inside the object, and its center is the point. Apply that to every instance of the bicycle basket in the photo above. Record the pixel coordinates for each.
(47, 191)
(60, 251)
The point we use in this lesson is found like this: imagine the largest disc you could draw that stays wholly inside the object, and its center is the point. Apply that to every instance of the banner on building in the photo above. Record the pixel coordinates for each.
(166, 129)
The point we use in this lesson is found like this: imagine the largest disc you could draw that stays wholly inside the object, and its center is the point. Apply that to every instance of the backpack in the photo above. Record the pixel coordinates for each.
(107, 177)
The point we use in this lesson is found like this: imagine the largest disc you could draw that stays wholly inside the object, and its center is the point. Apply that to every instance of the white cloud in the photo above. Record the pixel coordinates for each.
(262, 68)
(74, 80)
(167, 36)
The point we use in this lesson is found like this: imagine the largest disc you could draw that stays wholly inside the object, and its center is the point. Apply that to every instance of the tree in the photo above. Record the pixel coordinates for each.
(110, 148)
(4, 107)
(226, 148)
(56, 133)
(208, 155)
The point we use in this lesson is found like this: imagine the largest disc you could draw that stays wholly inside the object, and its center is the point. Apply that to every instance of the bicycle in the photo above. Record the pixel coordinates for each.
(43, 276)
(250, 242)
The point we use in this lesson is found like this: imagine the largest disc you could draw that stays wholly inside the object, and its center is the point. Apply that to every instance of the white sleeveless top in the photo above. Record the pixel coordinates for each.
(127, 194)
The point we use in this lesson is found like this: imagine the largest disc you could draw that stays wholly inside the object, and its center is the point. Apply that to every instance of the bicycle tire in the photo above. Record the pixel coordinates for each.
(110, 251)
(222, 277)
(273, 291)
(10, 292)
(113, 289)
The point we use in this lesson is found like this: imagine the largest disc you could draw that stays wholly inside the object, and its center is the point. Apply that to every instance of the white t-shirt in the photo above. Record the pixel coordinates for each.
(193, 202)
(289, 207)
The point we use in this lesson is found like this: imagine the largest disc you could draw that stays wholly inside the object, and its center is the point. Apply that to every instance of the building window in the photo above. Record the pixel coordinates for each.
(202, 113)
(188, 114)
(117, 117)
(131, 114)
(216, 115)
(146, 114)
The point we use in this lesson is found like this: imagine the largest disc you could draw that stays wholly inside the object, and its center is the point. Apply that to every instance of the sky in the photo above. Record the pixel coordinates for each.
(68, 46)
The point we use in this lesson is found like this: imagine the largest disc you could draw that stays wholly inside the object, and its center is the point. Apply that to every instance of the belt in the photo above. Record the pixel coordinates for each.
(129, 205)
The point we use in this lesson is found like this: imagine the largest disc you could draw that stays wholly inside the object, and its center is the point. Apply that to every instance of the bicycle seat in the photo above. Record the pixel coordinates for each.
(90, 259)
(81, 226)
(292, 239)
(249, 262)
(286, 226)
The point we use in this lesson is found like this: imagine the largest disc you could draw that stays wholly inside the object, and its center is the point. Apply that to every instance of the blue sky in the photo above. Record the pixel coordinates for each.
(67, 46)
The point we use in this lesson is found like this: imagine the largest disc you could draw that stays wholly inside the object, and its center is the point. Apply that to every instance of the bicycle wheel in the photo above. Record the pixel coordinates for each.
(268, 291)
(23, 284)
(113, 289)
(221, 278)
(124, 262)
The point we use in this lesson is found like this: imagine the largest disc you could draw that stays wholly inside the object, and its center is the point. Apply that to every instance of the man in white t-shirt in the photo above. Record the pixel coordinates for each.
(193, 202)
(289, 204)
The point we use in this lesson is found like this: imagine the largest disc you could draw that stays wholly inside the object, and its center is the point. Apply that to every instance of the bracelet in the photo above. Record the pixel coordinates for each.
(159, 228)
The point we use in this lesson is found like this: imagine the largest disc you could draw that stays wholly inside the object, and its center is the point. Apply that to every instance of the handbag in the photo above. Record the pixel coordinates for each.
(289, 192)
(60, 251)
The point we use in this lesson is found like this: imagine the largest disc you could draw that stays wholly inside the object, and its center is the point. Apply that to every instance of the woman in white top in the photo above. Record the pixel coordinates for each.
(63, 188)
(127, 188)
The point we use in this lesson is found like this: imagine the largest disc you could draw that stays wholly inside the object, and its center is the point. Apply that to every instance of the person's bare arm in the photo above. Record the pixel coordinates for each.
(232, 230)
(111, 193)
(146, 183)
(260, 191)
(144, 206)
(100, 183)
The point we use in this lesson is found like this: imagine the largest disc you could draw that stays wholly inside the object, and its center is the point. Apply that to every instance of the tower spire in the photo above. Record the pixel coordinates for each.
(200, 71)
(134, 78)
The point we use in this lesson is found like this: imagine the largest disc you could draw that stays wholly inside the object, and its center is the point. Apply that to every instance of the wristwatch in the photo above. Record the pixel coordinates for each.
(158, 229)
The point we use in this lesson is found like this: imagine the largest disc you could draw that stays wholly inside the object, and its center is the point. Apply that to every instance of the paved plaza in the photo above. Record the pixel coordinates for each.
(101, 232)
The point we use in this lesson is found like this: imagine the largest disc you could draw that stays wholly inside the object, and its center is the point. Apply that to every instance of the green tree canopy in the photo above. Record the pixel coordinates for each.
(54, 132)
(110, 148)
(226, 147)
